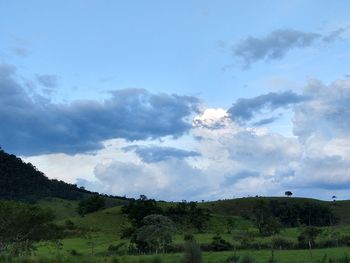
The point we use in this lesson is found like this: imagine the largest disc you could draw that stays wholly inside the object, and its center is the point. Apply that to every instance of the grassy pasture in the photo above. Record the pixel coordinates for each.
(262, 256)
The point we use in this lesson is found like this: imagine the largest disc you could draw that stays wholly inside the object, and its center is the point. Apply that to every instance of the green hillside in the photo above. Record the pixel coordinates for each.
(23, 181)
(244, 206)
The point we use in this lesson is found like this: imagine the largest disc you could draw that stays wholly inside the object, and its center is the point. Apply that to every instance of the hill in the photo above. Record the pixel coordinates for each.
(244, 206)
(24, 182)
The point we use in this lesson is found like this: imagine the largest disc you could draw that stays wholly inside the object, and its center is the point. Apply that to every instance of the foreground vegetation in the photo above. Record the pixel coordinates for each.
(334, 255)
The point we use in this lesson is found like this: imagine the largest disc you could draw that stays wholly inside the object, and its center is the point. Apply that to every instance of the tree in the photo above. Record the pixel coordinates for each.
(266, 223)
(22, 224)
(231, 223)
(92, 204)
(261, 211)
(137, 210)
(307, 236)
(155, 234)
(288, 193)
(187, 214)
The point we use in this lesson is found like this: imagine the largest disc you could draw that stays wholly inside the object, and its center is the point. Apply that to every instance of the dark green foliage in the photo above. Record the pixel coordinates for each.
(288, 193)
(244, 237)
(155, 234)
(306, 213)
(189, 214)
(22, 181)
(192, 253)
(220, 244)
(21, 224)
(90, 205)
(188, 237)
(136, 210)
(279, 242)
(73, 252)
(231, 223)
(308, 236)
(266, 223)
(270, 216)
(118, 249)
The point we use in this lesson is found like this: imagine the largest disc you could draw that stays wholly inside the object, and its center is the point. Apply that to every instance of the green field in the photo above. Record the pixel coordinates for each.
(262, 256)
(103, 228)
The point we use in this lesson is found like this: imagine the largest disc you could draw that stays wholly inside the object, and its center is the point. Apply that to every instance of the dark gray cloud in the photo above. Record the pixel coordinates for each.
(273, 46)
(278, 43)
(32, 126)
(246, 109)
(48, 80)
(335, 35)
(153, 154)
(265, 121)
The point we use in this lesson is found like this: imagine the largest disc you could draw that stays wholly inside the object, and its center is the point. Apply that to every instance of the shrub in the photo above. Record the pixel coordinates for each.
(345, 240)
(117, 249)
(220, 244)
(92, 204)
(73, 252)
(327, 242)
(282, 243)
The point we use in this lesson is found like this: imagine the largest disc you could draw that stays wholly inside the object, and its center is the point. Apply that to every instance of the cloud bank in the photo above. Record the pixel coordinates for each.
(154, 154)
(234, 160)
(278, 43)
(244, 110)
(34, 125)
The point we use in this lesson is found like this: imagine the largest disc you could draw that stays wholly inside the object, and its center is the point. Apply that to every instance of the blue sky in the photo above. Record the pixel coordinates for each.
(253, 93)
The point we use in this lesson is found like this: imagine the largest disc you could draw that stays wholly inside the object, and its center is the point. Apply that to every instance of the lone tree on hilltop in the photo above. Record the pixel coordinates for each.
(288, 193)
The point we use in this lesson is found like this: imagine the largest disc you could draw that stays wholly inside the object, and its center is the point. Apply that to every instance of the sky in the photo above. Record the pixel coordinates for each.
(194, 100)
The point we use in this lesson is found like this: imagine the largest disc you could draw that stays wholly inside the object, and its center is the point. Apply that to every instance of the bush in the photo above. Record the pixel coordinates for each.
(119, 249)
(345, 240)
(175, 248)
(327, 242)
(220, 244)
(307, 236)
(188, 237)
(92, 204)
(282, 243)
(73, 252)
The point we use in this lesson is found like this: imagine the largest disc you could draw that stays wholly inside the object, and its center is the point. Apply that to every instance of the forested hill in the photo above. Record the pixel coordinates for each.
(22, 181)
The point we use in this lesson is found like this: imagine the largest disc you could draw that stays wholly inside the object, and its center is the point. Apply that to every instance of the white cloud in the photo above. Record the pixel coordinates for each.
(233, 160)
